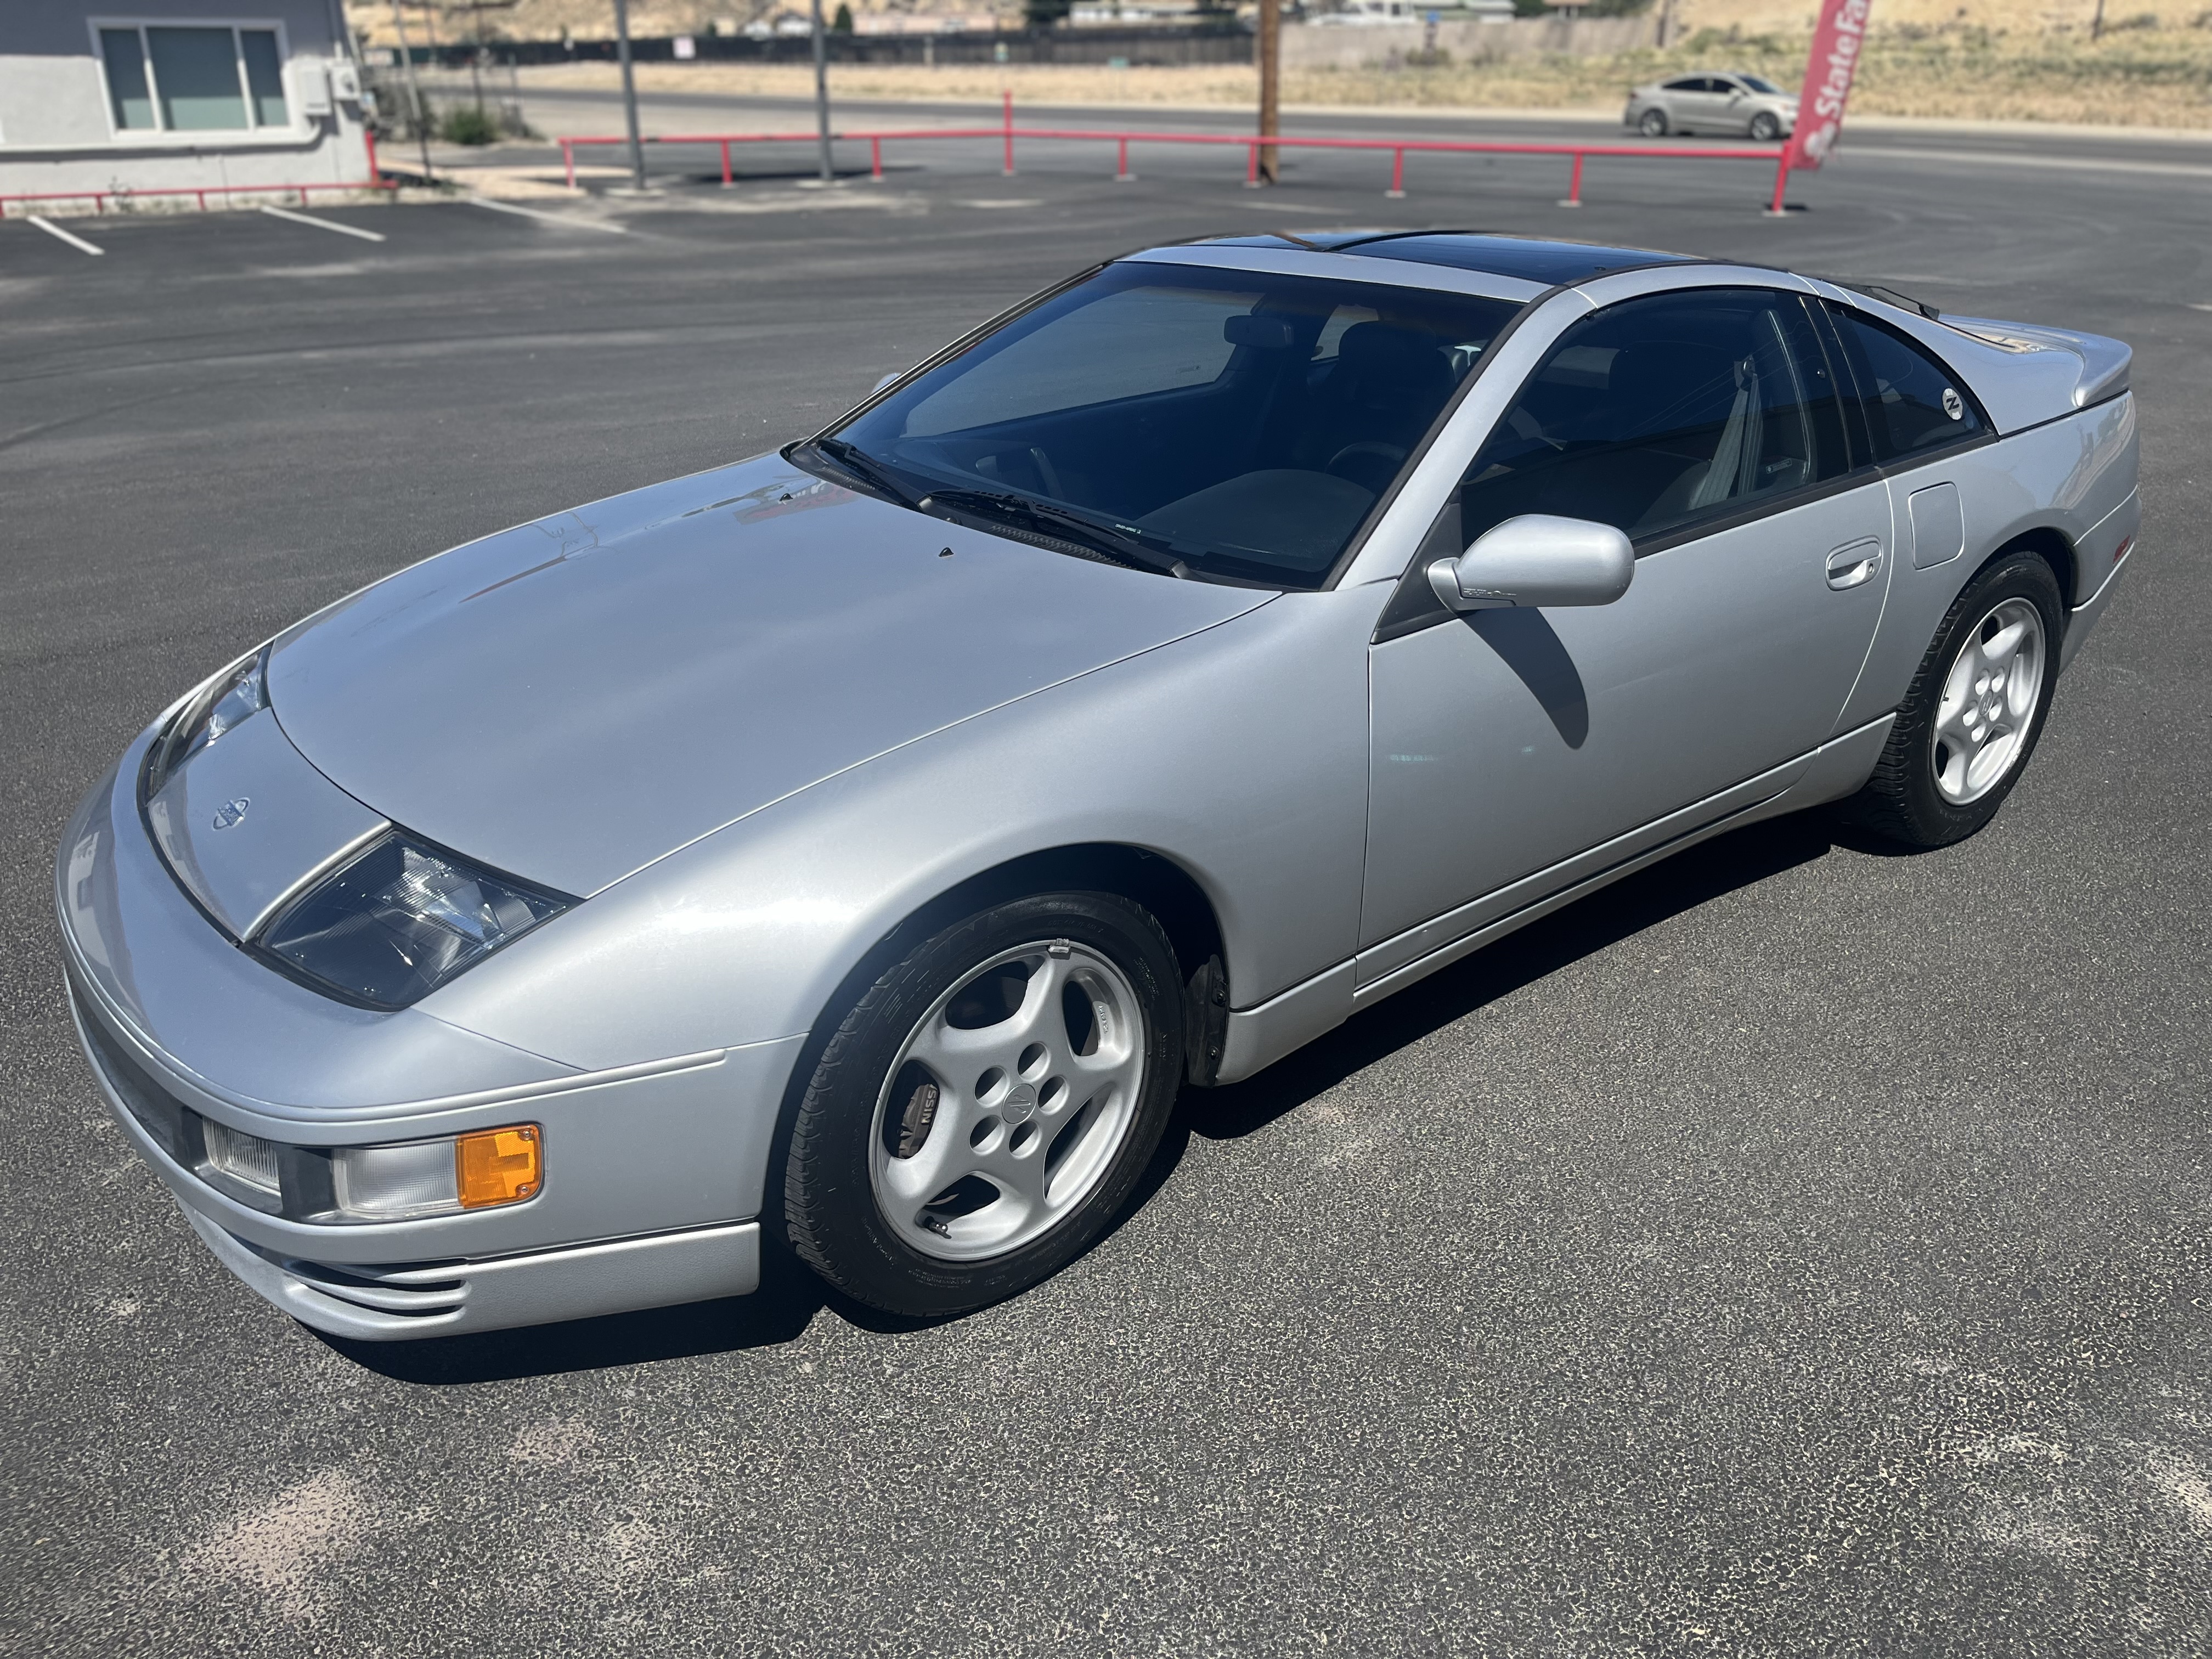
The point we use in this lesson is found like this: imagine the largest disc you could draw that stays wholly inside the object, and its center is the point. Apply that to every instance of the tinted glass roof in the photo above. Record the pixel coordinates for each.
(1524, 256)
(1510, 256)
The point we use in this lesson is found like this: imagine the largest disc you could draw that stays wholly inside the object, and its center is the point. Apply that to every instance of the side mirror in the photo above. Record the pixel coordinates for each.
(1537, 560)
(885, 381)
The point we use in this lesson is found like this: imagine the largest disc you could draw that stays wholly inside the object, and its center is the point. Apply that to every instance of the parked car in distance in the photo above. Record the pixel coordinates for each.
(854, 848)
(1361, 13)
(1749, 105)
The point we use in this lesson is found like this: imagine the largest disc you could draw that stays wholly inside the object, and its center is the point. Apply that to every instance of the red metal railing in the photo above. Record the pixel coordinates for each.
(1008, 132)
(99, 198)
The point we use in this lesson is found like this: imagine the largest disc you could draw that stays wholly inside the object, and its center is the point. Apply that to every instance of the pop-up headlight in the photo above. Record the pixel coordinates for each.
(401, 918)
(240, 691)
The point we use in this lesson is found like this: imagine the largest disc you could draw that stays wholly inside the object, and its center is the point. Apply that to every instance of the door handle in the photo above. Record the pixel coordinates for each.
(1854, 565)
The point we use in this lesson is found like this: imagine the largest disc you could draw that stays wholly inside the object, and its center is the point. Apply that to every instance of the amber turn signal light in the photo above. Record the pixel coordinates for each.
(498, 1166)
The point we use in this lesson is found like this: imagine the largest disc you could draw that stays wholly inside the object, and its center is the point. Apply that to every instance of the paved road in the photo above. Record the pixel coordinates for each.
(1792, 1250)
(565, 111)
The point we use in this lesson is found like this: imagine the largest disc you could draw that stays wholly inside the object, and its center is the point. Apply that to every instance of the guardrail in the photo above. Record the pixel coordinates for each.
(99, 198)
(1008, 132)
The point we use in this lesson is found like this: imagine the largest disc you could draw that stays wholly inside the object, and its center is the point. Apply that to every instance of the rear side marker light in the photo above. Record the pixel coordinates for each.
(2124, 549)
(498, 1166)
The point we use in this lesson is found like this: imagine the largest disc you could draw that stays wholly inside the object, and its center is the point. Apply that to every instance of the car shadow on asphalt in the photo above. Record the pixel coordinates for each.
(779, 1312)
(1669, 888)
(790, 1297)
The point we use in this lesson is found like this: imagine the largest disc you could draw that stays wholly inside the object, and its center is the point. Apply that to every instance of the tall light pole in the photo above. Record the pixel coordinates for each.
(1270, 44)
(822, 92)
(414, 90)
(629, 94)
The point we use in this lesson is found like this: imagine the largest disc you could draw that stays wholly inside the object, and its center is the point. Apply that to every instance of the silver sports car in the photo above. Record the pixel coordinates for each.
(858, 847)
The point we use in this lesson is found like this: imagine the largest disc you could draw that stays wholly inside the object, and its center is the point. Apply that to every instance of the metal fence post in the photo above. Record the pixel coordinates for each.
(822, 92)
(629, 94)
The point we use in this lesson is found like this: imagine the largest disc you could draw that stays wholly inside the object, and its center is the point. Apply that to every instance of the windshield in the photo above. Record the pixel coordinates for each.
(1759, 83)
(1210, 423)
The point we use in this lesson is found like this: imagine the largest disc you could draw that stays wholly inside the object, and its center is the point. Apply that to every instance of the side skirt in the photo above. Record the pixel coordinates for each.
(1256, 1037)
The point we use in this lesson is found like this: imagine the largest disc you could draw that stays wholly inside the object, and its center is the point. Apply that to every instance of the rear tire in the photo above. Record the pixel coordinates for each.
(1653, 124)
(961, 1138)
(1975, 712)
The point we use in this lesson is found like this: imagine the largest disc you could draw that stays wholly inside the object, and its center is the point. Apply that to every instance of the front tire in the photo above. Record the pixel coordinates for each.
(1765, 129)
(1975, 711)
(986, 1108)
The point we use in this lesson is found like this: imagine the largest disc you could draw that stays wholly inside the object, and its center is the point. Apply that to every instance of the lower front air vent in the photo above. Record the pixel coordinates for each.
(409, 1289)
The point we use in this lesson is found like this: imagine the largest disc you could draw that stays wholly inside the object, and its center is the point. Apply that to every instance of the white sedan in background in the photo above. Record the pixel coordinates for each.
(1748, 105)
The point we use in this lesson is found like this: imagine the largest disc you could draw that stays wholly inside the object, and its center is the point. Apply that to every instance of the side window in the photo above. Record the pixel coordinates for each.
(1658, 412)
(1907, 400)
(1690, 83)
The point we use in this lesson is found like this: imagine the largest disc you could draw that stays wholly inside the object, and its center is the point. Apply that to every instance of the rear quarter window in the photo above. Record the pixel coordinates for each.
(1909, 403)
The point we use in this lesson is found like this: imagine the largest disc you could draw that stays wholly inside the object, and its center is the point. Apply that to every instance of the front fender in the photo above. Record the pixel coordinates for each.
(1240, 753)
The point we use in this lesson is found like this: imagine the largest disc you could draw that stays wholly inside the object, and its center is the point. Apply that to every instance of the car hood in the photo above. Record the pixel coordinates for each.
(571, 699)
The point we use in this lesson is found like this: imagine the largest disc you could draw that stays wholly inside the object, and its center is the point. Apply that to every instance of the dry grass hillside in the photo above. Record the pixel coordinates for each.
(1963, 60)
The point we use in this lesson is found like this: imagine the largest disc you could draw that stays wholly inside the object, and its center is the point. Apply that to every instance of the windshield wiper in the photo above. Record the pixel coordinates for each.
(850, 458)
(1117, 545)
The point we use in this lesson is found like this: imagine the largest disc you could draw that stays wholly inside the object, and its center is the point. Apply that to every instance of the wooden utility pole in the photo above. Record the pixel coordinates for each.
(1269, 44)
(2096, 23)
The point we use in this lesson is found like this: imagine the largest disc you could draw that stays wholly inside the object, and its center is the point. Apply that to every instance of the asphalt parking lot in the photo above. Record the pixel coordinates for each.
(1792, 1250)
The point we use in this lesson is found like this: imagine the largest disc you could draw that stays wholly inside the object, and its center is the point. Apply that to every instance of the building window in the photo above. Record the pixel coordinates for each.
(264, 77)
(126, 79)
(203, 78)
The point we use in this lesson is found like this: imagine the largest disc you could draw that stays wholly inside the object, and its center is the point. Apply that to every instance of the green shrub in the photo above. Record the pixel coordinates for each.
(467, 124)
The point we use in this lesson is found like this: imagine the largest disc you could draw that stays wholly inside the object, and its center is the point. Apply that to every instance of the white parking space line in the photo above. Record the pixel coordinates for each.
(53, 229)
(573, 223)
(321, 224)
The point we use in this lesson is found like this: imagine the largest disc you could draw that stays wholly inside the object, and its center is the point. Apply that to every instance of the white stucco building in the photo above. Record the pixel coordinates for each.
(146, 96)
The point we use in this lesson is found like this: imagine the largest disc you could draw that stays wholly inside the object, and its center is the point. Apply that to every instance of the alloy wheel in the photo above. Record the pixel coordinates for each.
(1008, 1101)
(1989, 703)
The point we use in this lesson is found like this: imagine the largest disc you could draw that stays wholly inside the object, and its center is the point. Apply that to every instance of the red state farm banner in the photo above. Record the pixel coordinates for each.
(1837, 41)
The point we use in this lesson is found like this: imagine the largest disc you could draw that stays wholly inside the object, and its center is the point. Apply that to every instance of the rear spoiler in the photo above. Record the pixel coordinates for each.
(2102, 376)
(2105, 363)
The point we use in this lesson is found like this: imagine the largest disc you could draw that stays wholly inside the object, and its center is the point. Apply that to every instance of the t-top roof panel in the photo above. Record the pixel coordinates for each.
(1550, 263)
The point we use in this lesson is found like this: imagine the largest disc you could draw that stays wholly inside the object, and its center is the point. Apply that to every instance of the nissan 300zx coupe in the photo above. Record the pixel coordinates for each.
(853, 850)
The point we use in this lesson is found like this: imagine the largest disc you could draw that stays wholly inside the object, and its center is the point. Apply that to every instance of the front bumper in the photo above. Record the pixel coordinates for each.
(652, 1171)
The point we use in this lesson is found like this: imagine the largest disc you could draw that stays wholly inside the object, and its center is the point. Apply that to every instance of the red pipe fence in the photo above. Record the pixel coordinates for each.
(1008, 132)
(99, 198)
